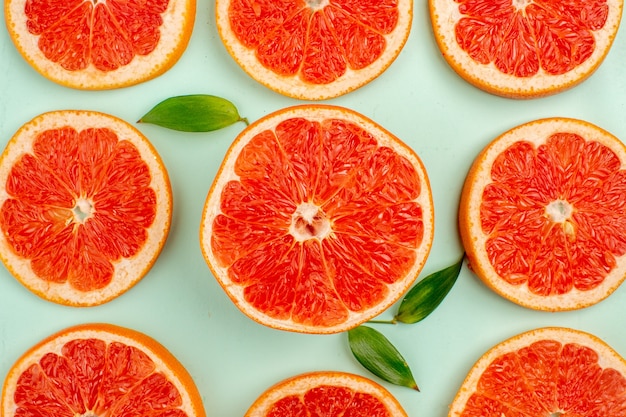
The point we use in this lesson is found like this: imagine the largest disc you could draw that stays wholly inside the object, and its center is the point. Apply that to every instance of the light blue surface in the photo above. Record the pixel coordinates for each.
(232, 359)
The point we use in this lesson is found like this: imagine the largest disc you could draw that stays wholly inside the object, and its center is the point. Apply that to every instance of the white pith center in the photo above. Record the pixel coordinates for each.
(83, 210)
(559, 211)
(317, 4)
(309, 222)
(521, 4)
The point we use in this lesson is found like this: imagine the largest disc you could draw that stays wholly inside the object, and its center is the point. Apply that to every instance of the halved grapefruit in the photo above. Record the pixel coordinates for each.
(85, 206)
(328, 393)
(99, 370)
(549, 371)
(525, 48)
(314, 49)
(543, 213)
(98, 44)
(318, 219)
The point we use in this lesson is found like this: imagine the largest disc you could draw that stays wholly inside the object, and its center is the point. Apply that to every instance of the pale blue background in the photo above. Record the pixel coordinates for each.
(232, 359)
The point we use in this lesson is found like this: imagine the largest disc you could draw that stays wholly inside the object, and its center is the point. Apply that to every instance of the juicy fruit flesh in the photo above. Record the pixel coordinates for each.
(333, 400)
(555, 214)
(92, 378)
(521, 37)
(315, 40)
(320, 222)
(78, 202)
(548, 378)
(106, 34)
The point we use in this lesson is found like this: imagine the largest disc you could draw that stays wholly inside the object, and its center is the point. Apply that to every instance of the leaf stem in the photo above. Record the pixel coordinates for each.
(392, 321)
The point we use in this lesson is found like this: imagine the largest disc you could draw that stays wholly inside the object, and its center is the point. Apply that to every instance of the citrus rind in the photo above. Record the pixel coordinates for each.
(175, 33)
(444, 17)
(474, 238)
(164, 362)
(226, 173)
(128, 271)
(607, 357)
(294, 86)
(299, 384)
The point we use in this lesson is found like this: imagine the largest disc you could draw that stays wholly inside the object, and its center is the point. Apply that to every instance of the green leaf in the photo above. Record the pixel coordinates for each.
(374, 351)
(427, 294)
(193, 113)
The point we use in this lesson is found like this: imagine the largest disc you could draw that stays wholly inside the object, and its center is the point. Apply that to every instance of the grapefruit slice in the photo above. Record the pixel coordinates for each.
(99, 370)
(312, 49)
(336, 393)
(85, 206)
(543, 213)
(524, 48)
(96, 45)
(545, 372)
(318, 219)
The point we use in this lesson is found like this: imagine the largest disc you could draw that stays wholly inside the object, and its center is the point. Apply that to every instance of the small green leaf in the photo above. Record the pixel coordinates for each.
(374, 351)
(427, 294)
(193, 113)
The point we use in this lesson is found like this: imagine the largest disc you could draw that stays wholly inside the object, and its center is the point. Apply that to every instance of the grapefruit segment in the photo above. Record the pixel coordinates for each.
(548, 371)
(328, 393)
(542, 211)
(85, 208)
(314, 50)
(525, 49)
(100, 45)
(317, 220)
(99, 369)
